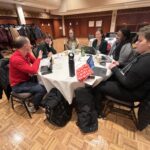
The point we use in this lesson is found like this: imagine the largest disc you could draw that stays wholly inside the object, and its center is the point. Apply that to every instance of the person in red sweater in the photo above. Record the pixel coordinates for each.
(23, 65)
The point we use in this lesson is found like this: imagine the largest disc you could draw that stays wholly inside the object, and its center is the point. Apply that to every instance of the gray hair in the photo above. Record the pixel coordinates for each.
(20, 41)
(145, 31)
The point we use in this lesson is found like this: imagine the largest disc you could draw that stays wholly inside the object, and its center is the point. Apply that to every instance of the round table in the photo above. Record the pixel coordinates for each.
(60, 79)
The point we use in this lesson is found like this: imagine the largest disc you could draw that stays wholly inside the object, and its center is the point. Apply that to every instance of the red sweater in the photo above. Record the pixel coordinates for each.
(21, 67)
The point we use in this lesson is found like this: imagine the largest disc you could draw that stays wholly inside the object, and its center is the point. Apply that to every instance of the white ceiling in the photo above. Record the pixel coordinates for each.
(68, 7)
(42, 4)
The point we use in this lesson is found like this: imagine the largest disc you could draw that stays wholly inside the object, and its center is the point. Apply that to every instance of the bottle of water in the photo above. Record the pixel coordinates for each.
(73, 47)
(82, 52)
(71, 64)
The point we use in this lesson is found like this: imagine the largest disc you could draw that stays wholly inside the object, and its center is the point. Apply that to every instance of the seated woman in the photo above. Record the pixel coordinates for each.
(133, 82)
(46, 47)
(122, 51)
(99, 43)
(71, 42)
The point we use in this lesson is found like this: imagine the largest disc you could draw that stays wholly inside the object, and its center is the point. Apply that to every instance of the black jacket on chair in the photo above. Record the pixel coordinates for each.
(4, 76)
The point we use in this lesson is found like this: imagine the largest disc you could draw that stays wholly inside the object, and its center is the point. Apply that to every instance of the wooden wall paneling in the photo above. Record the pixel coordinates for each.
(57, 23)
(7, 20)
(77, 27)
(83, 27)
(91, 30)
(133, 18)
(33, 21)
(46, 26)
(106, 21)
(70, 24)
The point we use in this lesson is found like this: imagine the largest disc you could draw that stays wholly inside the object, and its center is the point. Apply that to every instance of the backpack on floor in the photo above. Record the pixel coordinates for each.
(144, 114)
(58, 111)
(86, 112)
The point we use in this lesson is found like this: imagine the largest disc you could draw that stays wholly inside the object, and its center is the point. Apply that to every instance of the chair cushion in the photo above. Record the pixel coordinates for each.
(21, 95)
(121, 102)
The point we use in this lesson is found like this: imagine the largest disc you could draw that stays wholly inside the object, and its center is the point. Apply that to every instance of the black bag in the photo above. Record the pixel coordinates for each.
(144, 114)
(86, 112)
(4, 77)
(58, 111)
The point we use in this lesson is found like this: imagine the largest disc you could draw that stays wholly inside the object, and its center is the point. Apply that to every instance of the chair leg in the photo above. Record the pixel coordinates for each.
(105, 108)
(134, 117)
(12, 103)
(27, 109)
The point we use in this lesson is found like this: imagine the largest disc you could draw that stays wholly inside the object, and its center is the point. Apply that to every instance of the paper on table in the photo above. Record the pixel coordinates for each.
(45, 62)
(90, 81)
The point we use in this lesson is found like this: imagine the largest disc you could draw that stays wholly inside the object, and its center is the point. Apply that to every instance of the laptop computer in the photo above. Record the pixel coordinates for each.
(89, 50)
(98, 71)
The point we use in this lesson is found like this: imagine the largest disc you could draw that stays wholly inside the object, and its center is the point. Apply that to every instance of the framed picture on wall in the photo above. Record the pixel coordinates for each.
(91, 23)
(99, 23)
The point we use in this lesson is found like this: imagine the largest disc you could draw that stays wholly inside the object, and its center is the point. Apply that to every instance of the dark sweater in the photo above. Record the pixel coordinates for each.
(46, 49)
(1, 56)
(137, 79)
(102, 47)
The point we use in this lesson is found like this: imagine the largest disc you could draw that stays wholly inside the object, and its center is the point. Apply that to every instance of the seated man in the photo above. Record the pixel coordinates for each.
(23, 65)
(47, 47)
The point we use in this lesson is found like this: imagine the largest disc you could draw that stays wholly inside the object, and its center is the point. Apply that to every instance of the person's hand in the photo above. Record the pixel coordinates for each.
(50, 44)
(30, 49)
(40, 54)
(113, 64)
(49, 54)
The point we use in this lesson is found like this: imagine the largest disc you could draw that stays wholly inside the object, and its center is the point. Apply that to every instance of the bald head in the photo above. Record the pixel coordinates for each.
(20, 41)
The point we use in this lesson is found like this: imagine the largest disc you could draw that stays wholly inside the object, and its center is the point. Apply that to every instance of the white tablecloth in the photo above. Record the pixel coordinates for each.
(60, 79)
